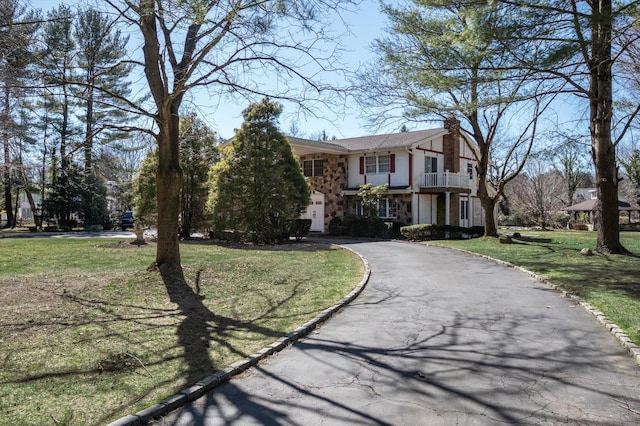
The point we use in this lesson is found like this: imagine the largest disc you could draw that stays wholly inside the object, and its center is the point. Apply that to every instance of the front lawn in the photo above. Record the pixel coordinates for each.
(87, 335)
(609, 283)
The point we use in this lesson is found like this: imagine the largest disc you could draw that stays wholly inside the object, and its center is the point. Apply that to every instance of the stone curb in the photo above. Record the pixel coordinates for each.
(613, 328)
(203, 386)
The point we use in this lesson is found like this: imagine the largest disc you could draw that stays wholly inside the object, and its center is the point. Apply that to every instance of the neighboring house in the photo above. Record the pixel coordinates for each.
(24, 214)
(583, 194)
(431, 176)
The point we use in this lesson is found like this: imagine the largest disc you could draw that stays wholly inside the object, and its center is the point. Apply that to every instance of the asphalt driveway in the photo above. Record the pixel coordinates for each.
(437, 338)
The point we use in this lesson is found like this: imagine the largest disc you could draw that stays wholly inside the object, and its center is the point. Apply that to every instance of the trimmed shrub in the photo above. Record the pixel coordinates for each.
(355, 226)
(299, 228)
(422, 232)
(418, 232)
(335, 226)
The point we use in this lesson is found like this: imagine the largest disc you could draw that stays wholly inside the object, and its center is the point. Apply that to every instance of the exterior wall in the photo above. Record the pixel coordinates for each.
(398, 178)
(432, 148)
(342, 171)
(331, 183)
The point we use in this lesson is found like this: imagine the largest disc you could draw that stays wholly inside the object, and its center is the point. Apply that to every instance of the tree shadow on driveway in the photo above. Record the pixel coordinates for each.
(472, 370)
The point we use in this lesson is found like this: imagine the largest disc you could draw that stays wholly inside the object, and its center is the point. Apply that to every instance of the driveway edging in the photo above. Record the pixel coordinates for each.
(622, 338)
(208, 383)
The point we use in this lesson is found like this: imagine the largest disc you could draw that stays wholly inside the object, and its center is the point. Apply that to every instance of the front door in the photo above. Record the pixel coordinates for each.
(315, 212)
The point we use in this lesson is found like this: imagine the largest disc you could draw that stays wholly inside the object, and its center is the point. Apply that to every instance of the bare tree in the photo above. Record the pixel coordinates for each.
(221, 45)
(583, 42)
(538, 191)
(568, 157)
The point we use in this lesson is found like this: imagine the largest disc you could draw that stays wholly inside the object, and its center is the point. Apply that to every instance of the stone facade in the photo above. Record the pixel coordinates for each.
(333, 181)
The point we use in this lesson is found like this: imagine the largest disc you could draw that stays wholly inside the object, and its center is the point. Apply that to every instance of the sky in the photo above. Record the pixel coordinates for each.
(341, 120)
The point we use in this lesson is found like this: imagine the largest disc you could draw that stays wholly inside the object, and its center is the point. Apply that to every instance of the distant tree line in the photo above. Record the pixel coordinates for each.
(62, 79)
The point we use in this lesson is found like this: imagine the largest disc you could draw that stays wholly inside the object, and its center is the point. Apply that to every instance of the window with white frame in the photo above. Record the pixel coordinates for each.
(384, 163)
(464, 209)
(387, 208)
(470, 170)
(312, 168)
(371, 164)
(377, 164)
(430, 164)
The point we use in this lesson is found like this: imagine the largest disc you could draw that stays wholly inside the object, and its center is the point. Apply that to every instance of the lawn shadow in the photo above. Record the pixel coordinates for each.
(201, 327)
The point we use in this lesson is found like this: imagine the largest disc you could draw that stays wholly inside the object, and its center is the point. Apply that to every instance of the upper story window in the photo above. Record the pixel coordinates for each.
(312, 168)
(430, 165)
(373, 164)
(470, 170)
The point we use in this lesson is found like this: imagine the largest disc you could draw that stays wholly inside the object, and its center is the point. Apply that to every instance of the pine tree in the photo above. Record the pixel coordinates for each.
(258, 186)
(198, 154)
(16, 57)
(103, 84)
(56, 67)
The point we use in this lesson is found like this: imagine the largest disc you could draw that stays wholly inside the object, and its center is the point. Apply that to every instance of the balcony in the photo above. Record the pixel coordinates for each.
(446, 182)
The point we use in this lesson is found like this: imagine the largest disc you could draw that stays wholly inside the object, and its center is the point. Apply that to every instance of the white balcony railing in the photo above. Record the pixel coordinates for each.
(445, 180)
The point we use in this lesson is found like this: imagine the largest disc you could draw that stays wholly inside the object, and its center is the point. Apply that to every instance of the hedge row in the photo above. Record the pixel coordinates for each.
(355, 226)
(424, 232)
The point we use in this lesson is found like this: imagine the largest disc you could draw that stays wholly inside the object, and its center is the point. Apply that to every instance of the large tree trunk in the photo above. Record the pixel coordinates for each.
(489, 206)
(89, 187)
(602, 148)
(6, 178)
(169, 182)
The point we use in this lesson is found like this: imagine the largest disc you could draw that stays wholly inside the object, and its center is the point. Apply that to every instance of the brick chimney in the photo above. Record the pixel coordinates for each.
(452, 145)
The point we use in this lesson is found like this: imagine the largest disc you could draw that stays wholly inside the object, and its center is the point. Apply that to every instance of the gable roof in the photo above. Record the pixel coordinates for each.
(591, 205)
(372, 142)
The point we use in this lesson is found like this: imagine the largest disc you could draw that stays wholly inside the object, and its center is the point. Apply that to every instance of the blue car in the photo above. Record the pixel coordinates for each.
(128, 221)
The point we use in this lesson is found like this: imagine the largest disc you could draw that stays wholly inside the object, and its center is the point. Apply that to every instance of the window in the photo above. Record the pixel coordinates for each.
(373, 164)
(312, 168)
(470, 170)
(430, 165)
(387, 208)
(464, 209)
(384, 163)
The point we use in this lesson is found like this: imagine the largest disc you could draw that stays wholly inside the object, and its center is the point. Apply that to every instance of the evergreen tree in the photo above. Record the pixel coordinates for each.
(103, 85)
(16, 57)
(144, 188)
(57, 70)
(198, 154)
(258, 186)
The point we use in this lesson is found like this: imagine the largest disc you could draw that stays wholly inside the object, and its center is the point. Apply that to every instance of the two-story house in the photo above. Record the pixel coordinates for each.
(431, 176)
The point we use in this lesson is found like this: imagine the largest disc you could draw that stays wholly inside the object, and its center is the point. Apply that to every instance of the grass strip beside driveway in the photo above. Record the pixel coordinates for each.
(611, 284)
(87, 335)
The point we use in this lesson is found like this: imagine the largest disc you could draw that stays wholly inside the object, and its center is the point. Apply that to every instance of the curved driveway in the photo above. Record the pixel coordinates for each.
(437, 338)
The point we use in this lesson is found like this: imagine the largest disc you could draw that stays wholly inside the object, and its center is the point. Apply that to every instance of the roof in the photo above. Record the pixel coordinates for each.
(372, 142)
(590, 205)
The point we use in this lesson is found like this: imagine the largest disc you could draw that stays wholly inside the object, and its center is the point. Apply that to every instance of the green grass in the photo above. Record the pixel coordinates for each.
(87, 335)
(609, 283)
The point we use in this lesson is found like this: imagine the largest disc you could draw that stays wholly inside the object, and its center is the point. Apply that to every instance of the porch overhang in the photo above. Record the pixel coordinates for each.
(394, 190)
(444, 189)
